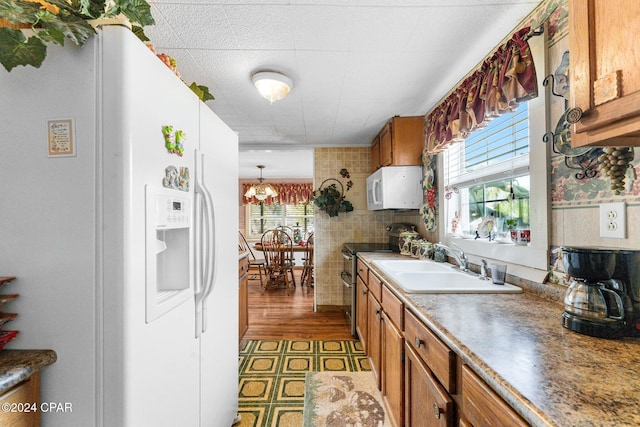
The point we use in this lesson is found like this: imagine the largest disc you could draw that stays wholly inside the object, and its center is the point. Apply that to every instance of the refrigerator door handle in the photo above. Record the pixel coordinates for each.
(208, 253)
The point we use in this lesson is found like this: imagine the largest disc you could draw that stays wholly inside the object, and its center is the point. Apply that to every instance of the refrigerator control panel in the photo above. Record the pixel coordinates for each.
(172, 212)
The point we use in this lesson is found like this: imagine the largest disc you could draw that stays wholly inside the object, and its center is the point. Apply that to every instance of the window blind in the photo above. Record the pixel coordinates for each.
(498, 151)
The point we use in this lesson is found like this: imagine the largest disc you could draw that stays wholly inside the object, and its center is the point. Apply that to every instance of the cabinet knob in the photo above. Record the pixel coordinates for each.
(573, 115)
(437, 411)
(364, 292)
(419, 342)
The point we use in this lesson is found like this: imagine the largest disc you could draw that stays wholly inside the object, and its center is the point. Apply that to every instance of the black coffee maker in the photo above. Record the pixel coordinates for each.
(603, 299)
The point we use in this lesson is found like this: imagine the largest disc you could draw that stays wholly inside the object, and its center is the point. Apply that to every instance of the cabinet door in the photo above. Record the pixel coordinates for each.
(605, 77)
(362, 317)
(386, 145)
(243, 309)
(375, 154)
(375, 319)
(426, 403)
(482, 407)
(407, 140)
(243, 296)
(26, 394)
(392, 369)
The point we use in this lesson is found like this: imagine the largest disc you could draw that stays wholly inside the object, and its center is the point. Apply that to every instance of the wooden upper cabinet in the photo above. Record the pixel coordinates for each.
(605, 71)
(399, 143)
(386, 145)
(375, 153)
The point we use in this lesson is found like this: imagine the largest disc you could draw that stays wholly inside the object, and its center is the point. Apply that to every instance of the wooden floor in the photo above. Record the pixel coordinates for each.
(275, 315)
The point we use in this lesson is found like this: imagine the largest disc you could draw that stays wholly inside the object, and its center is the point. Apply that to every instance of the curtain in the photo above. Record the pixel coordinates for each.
(504, 79)
(288, 194)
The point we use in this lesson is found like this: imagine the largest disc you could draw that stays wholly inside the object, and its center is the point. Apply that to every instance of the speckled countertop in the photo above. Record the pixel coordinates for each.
(516, 342)
(18, 365)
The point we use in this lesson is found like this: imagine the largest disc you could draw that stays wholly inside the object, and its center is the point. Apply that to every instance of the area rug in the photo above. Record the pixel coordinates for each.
(272, 376)
(342, 399)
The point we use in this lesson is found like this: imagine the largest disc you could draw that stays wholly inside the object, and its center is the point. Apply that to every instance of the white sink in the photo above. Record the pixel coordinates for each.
(424, 276)
(411, 265)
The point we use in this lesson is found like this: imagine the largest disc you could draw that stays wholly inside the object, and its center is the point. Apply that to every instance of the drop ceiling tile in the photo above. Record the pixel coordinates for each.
(282, 61)
(201, 26)
(261, 27)
(382, 28)
(324, 28)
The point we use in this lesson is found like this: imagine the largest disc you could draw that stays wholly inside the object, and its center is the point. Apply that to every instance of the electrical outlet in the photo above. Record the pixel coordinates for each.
(613, 220)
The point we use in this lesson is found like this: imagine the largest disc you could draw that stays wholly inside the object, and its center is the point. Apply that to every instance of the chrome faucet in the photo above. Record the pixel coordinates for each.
(460, 258)
(483, 270)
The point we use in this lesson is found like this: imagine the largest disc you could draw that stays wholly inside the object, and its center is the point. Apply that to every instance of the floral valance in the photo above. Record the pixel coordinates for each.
(288, 194)
(504, 79)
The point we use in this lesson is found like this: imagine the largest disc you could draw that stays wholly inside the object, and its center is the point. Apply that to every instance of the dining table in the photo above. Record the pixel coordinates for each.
(295, 248)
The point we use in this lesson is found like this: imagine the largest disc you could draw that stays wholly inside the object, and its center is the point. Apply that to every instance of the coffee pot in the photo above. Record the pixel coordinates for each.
(597, 303)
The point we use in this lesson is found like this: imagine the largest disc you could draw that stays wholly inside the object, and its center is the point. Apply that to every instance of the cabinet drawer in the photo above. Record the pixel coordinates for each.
(482, 407)
(375, 286)
(363, 271)
(437, 356)
(243, 266)
(393, 307)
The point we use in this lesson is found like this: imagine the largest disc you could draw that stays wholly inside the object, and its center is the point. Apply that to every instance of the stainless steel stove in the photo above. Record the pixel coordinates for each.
(349, 272)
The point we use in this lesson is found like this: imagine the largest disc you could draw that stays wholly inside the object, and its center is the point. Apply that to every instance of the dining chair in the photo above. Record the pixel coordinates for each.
(289, 255)
(307, 267)
(277, 248)
(259, 263)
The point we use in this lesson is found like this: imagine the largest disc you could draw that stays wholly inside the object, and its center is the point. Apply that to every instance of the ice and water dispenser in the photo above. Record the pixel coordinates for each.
(168, 224)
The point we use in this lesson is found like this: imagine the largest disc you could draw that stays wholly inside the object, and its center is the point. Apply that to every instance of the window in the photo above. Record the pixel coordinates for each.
(499, 150)
(265, 217)
(505, 175)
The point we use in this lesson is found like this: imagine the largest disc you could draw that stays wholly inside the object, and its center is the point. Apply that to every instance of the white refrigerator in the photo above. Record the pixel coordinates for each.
(124, 250)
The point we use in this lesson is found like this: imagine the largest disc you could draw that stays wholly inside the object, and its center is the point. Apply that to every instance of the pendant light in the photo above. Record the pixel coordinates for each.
(261, 191)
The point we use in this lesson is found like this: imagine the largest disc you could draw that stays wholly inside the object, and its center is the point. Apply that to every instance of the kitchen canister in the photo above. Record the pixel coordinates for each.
(404, 242)
(416, 247)
(426, 250)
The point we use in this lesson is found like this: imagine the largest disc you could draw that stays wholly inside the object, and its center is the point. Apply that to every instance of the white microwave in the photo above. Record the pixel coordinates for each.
(395, 187)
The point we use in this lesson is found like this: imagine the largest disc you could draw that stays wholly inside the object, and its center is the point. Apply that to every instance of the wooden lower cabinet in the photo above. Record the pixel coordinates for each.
(362, 319)
(392, 369)
(422, 381)
(374, 341)
(25, 399)
(243, 296)
(426, 402)
(482, 407)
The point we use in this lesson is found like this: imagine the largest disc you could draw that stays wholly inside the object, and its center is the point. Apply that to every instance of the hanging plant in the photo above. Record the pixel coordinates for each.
(331, 200)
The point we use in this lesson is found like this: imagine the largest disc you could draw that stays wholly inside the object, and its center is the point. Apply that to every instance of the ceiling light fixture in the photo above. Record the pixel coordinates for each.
(261, 191)
(271, 85)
